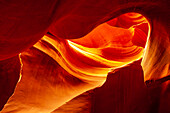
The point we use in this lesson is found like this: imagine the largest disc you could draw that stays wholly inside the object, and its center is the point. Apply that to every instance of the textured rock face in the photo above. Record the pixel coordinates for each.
(73, 57)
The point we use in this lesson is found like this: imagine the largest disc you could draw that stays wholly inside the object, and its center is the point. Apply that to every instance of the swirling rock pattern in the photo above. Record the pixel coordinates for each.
(68, 61)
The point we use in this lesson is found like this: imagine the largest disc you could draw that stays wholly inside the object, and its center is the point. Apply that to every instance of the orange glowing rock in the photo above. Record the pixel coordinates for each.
(56, 70)
(82, 46)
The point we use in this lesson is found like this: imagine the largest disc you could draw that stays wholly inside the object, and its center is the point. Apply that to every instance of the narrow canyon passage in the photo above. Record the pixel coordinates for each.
(93, 58)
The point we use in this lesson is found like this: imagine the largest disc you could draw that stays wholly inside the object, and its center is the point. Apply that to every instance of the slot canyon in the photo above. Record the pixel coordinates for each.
(84, 56)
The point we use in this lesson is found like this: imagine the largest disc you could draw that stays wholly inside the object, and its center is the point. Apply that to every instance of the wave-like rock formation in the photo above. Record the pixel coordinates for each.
(60, 49)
